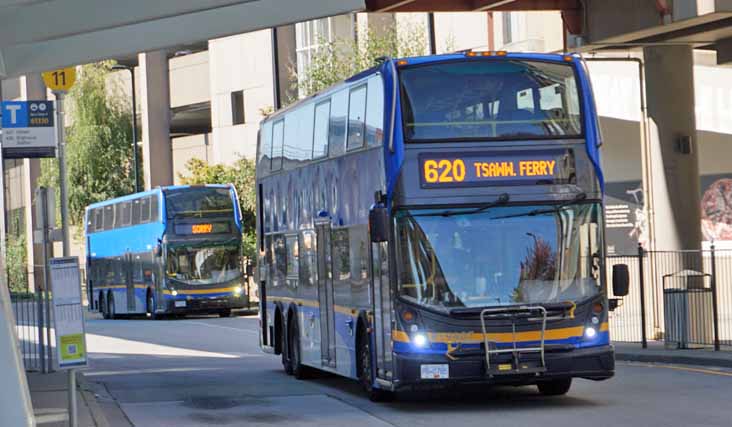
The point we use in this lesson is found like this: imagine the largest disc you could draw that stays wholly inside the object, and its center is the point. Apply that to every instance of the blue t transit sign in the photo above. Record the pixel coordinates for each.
(28, 129)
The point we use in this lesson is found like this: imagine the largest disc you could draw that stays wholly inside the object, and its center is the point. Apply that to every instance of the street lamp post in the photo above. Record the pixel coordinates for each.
(134, 122)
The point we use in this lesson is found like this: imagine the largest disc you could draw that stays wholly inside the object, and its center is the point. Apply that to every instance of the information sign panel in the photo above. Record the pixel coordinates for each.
(68, 312)
(28, 129)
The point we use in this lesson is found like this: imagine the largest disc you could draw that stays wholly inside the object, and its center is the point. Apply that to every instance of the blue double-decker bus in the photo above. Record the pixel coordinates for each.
(172, 250)
(438, 221)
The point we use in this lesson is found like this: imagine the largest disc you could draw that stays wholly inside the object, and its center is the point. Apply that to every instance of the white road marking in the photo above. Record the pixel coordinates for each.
(111, 345)
(147, 371)
(193, 322)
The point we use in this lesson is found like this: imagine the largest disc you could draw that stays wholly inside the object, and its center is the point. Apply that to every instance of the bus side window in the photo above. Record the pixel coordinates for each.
(375, 112)
(278, 134)
(320, 138)
(337, 133)
(135, 211)
(293, 255)
(154, 209)
(109, 217)
(98, 219)
(308, 269)
(145, 210)
(126, 209)
(280, 259)
(341, 255)
(356, 116)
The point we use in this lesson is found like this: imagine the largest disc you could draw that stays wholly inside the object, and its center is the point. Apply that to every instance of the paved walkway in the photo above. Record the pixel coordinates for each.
(49, 394)
(657, 353)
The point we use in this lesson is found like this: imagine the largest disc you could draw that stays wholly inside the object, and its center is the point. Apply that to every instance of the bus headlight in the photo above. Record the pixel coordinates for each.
(590, 332)
(419, 340)
(174, 292)
(237, 290)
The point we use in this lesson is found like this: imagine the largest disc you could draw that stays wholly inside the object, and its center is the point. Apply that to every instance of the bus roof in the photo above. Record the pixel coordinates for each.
(151, 192)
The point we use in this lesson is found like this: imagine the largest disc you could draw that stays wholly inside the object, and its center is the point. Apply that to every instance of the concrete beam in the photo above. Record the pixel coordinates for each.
(119, 29)
(469, 5)
(157, 154)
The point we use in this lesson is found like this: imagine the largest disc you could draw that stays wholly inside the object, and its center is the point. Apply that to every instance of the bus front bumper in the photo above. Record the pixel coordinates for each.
(595, 363)
(207, 304)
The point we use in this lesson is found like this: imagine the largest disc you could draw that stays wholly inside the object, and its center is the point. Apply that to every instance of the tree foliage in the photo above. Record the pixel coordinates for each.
(16, 262)
(241, 175)
(337, 60)
(98, 143)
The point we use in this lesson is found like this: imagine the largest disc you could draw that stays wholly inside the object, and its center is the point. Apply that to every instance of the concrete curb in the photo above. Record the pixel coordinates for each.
(676, 359)
(97, 414)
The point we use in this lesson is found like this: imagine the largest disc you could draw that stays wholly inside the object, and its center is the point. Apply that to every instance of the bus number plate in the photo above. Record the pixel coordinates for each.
(435, 372)
(180, 303)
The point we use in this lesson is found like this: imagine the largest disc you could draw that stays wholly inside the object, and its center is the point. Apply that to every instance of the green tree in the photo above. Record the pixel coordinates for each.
(16, 262)
(342, 58)
(98, 143)
(241, 175)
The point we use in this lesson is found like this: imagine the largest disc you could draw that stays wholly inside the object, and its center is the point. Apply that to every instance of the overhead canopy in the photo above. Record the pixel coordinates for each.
(41, 35)
(468, 5)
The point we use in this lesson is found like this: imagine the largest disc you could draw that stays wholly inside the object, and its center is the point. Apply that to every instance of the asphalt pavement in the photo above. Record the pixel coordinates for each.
(206, 371)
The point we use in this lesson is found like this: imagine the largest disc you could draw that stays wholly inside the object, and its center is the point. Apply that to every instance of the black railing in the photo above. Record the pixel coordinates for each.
(683, 298)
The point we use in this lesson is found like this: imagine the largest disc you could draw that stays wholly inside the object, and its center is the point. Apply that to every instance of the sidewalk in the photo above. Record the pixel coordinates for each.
(656, 353)
(49, 394)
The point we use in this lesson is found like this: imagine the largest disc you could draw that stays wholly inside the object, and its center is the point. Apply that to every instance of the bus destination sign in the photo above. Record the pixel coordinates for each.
(474, 169)
(203, 228)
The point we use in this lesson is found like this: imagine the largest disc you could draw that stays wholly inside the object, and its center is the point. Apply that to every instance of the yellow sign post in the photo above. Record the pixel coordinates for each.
(60, 80)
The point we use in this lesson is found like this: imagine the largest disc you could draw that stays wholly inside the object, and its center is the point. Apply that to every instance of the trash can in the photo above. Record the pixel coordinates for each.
(687, 310)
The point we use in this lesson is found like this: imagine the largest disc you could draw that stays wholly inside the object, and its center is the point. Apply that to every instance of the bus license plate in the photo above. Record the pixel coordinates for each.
(435, 372)
(180, 303)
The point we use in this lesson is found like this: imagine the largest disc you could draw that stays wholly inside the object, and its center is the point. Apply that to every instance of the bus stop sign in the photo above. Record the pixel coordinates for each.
(28, 129)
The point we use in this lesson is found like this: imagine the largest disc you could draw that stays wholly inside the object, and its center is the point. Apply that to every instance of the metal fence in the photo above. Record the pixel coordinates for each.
(33, 318)
(683, 298)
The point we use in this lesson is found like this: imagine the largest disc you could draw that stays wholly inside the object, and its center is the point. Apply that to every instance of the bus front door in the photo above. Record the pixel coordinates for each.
(381, 299)
(130, 283)
(325, 295)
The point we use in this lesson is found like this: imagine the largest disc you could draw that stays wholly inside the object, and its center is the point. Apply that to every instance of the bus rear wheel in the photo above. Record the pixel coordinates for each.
(299, 371)
(150, 306)
(103, 307)
(365, 375)
(284, 336)
(555, 387)
(110, 307)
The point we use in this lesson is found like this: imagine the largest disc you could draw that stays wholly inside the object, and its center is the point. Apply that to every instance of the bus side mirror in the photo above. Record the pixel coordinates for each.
(621, 280)
(379, 224)
(158, 250)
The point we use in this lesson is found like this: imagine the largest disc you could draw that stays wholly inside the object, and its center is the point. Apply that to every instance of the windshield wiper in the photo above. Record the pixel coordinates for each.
(501, 200)
(554, 209)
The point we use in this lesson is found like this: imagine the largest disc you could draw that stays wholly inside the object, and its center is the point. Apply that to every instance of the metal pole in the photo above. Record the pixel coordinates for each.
(276, 96)
(134, 132)
(62, 171)
(73, 418)
(431, 33)
(715, 308)
(641, 275)
(44, 252)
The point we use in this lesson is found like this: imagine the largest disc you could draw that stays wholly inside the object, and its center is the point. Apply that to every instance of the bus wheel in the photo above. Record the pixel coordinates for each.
(225, 313)
(103, 307)
(110, 307)
(286, 360)
(298, 370)
(150, 306)
(364, 370)
(555, 387)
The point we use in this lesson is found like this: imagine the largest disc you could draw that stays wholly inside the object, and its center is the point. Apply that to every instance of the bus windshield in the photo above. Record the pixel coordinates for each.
(501, 256)
(490, 99)
(198, 201)
(203, 266)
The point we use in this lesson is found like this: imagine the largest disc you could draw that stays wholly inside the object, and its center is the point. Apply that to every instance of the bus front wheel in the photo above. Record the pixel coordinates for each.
(225, 313)
(150, 306)
(364, 370)
(555, 387)
(103, 307)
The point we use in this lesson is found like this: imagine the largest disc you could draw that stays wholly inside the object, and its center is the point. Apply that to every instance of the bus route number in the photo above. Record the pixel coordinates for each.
(444, 170)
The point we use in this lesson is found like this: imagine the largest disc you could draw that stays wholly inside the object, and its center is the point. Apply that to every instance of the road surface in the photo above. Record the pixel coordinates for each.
(207, 371)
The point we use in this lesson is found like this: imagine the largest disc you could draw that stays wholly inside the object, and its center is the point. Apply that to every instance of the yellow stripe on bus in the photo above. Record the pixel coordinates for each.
(502, 337)
(202, 291)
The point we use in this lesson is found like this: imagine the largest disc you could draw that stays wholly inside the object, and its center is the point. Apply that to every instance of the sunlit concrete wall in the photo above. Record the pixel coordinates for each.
(239, 63)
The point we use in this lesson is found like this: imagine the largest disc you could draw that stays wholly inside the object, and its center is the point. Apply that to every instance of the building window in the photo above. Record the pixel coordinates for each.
(312, 35)
(237, 107)
(507, 35)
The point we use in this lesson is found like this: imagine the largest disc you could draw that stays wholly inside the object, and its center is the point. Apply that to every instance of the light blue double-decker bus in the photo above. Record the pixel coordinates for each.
(438, 221)
(172, 250)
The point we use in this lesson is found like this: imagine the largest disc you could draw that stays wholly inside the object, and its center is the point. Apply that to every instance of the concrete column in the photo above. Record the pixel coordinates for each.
(32, 88)
(157, 154)
(673, 161)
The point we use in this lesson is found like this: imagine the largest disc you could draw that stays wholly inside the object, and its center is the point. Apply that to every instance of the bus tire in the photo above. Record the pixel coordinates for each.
(110, 307)
(225, 313)
(363, 363)
(286, 361)
(150, 306)
(555, 387)
(103, 306)
(299, 371)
